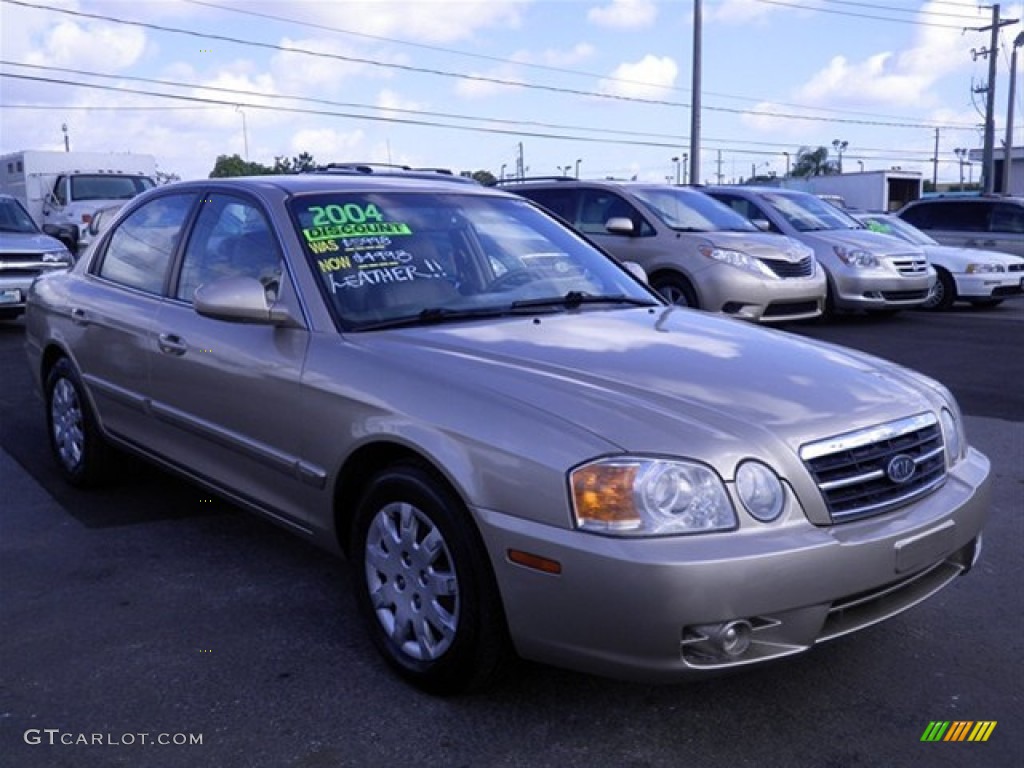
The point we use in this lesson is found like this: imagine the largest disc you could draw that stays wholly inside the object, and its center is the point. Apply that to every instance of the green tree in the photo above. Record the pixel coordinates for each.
(163, 177)
(301, 163)
(234, 165)
(813, 162)
(486, 178)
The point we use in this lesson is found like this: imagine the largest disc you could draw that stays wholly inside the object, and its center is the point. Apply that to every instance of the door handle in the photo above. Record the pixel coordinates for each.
(78, 316)
(172, 344)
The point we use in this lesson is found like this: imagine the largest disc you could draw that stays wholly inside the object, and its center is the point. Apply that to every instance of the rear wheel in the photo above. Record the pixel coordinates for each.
(81, 452)
(943, 292)
(675, 289)
(425, 586)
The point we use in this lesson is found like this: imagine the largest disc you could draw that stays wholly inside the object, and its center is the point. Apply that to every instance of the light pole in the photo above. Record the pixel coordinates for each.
(1008, 145)
(787, 163)
(563, 170)
(67, 141)
(695, 93)
(578, 161)
(675, 160)
(961, 153)
(245, 131)
(861, 164)
(501, 173)
(840, 147)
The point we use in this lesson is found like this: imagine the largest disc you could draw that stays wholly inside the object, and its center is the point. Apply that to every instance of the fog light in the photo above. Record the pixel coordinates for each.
(730, 638)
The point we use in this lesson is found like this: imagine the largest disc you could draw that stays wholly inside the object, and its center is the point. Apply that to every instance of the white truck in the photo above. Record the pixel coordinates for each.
(866, 191)
(62, 190)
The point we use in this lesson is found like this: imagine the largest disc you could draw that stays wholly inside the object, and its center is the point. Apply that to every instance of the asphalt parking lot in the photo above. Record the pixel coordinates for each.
(148, 612)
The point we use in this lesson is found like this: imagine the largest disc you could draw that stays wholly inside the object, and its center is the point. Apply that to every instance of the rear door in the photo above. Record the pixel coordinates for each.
(113, 313)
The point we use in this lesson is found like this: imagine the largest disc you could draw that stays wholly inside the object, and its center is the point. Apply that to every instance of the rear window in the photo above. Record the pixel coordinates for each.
(108, 186)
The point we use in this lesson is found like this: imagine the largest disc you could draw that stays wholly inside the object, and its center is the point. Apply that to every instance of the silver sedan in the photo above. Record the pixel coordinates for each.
(522, 449)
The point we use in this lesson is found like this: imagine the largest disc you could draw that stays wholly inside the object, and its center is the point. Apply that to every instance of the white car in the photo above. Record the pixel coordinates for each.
(983, 278)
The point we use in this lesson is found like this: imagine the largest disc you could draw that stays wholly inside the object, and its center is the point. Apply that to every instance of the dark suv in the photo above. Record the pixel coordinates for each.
(993, 223)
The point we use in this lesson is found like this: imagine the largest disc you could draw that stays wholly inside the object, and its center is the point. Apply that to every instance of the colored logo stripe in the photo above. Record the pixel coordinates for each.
(958, 730)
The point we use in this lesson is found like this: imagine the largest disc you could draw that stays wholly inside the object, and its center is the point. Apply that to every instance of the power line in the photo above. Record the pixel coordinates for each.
(482, 78)
(403, 121)
(861, 15)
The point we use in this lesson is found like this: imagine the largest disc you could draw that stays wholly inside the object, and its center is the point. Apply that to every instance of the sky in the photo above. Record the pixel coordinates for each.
(545, 87)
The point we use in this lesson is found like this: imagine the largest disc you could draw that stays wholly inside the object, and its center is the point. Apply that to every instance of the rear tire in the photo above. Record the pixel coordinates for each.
(81, 452)
(425, 586)
(676, 290)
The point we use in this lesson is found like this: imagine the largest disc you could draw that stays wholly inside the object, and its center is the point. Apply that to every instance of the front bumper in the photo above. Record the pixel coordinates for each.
(636, 609)
(992, 285)
(14, 290)
(746, 296)
(874, 290)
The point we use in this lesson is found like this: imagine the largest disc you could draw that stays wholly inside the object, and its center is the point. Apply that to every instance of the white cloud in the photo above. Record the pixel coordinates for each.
(649, 78)
(327, 145)
(89, 45)
(389, 100)
(414, 21)
(624, 14)
(478, 89)
(746, 11)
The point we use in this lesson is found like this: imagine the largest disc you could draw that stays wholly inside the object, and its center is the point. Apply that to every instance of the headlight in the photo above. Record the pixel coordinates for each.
(58, 258)
(649, 497)
(952, 436)
(737, 259)
(760, 490)
(856, 257)
(975, 269)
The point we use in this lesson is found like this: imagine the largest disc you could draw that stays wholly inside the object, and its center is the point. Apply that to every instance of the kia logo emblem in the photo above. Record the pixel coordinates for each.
(900, 468)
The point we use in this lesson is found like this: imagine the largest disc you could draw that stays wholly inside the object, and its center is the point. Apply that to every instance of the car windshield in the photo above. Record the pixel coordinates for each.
(687, 210)
(808, 213)
(14, 218)
(388, 258)
(108, 186)
(892, 225)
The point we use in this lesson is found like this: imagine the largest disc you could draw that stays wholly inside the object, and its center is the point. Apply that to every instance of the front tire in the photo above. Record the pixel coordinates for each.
(82, 453)
(943, 293)
(425, 586)
(676, 290)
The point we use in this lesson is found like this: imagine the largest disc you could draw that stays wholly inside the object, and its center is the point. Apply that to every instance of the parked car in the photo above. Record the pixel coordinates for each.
(521, 447)
(866, 270)
(24, 253)
(989, 222)
(696, 252)
(982, 278)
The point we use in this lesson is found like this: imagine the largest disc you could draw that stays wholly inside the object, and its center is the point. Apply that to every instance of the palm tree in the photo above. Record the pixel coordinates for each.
(813, 162)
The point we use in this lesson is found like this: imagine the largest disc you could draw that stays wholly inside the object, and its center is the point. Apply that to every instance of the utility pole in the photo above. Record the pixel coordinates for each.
(520, 168)
(935, 162)
(719, 174)
(1008, 144)
(695, 99)
(988, 150)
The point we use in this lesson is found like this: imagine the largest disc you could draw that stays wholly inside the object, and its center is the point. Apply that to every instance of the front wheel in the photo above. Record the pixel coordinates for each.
(943, 292)
(424, 584)
(676, 290)
(75, 439)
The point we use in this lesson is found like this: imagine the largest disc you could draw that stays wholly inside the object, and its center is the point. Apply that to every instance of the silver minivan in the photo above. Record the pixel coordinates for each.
(696, 252)
(866, 270)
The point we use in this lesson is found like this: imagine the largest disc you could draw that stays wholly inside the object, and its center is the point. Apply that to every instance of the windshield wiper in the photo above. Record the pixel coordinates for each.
(574, 299)
(432, 315)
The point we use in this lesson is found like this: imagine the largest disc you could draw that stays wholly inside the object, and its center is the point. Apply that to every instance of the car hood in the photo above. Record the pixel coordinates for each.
(952, 255)
(28, 242)
(761, 245)
(664, 380)
(874, 242)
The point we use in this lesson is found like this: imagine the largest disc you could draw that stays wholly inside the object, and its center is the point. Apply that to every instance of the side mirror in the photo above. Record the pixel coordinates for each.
(66, 233)
(763, 224)
(240, 300)
(636, 271)
(619, 225)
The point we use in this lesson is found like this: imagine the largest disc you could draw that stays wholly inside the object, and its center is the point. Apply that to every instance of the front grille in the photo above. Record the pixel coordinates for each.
(855, 472)
(785, 309)
(6, 271)
(904, 295)
(784, 269)
(910, 266)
